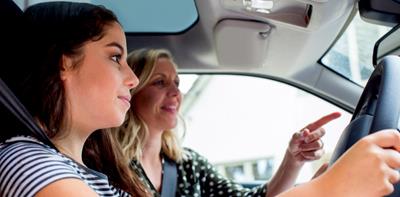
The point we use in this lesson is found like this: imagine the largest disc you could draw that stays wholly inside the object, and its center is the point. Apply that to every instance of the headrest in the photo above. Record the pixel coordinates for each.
(10, 36)
(15, 119)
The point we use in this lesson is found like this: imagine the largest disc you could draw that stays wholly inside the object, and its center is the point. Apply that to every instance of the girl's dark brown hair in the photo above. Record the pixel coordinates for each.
(104, 154)
(54, 29)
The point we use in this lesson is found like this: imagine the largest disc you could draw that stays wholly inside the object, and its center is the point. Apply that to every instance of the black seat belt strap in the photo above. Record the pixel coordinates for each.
(11, 102)
(170, 178)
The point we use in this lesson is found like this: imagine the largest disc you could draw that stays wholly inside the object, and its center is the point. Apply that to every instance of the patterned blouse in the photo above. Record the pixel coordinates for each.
(197, 177)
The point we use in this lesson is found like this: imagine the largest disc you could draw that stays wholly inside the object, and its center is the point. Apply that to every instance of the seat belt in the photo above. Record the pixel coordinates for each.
(170, 178)
(11, 102)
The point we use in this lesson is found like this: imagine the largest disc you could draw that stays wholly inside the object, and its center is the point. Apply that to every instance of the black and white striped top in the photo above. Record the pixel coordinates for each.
(27, 165)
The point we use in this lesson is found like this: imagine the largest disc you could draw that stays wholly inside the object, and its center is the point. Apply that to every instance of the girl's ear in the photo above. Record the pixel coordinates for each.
(66, 67)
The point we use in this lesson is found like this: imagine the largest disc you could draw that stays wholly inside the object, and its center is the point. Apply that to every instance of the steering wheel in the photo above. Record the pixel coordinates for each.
(378, 107)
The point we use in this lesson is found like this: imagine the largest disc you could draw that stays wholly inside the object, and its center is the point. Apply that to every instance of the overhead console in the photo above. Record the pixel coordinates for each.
(306, 14)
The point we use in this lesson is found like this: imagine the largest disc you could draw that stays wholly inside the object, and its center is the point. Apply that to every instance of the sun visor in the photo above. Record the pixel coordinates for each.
(241, 43)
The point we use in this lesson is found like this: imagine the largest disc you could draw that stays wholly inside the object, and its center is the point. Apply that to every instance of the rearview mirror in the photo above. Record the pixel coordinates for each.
(383, 12)
(388, 44)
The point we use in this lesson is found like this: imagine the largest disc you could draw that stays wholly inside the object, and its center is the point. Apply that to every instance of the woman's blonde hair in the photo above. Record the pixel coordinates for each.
(134, 132)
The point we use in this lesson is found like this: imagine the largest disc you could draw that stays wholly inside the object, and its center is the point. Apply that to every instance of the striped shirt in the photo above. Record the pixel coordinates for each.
(27, 166)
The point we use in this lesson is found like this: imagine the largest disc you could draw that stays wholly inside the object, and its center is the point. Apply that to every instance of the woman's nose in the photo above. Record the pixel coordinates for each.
(174, 90)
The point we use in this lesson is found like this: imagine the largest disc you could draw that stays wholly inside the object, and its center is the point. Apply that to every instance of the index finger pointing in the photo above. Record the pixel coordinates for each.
(322, 121)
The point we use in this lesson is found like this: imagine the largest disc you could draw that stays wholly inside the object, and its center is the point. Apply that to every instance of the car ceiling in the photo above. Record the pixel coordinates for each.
(227, 38)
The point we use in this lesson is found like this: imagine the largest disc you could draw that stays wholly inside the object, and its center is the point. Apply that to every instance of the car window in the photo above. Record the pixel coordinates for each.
(351, 55)
(172, 16)
(243, 124)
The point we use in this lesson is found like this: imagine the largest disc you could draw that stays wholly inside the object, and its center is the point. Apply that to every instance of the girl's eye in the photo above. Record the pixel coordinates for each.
(177, 83)
(116, 58)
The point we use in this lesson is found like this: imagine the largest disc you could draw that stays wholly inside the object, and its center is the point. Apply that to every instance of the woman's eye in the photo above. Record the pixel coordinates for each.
(159, 82)
(177, 83)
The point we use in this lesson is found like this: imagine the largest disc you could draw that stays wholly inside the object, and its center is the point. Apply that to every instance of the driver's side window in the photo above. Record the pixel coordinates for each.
(243, 124)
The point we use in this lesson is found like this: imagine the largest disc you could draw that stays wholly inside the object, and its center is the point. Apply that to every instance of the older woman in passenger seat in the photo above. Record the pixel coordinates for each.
(148, 141)
(77, 81)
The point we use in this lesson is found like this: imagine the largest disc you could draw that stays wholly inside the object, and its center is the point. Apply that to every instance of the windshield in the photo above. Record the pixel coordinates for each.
(351, 56)
(172, 16)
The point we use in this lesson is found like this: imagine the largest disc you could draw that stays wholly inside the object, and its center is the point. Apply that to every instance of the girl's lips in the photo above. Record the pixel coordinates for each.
(125, 99)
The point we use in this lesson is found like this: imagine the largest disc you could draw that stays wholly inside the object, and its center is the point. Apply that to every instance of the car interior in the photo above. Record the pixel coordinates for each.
(283, 43)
